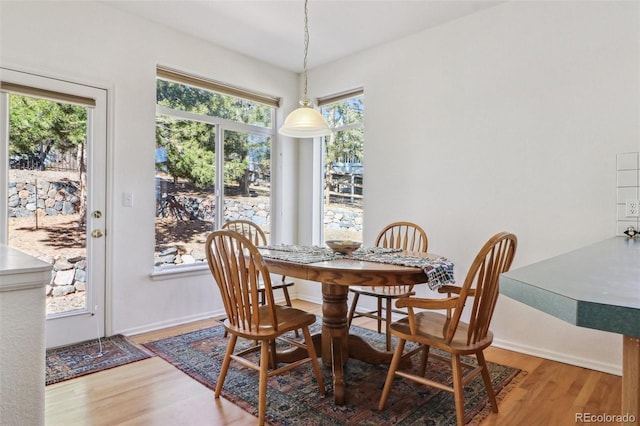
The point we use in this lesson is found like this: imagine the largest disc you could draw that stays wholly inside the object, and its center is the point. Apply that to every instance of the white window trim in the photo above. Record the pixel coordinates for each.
(172, 272)
(223, 123)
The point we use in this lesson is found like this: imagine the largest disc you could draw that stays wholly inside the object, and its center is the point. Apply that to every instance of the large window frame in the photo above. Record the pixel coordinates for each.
(222, 125)
(221, 128)
(327, 105)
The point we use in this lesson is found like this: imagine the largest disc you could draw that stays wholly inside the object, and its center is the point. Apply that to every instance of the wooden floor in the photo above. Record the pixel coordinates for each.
(152, 392)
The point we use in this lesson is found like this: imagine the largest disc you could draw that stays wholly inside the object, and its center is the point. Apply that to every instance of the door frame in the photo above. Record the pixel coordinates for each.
(90, 323)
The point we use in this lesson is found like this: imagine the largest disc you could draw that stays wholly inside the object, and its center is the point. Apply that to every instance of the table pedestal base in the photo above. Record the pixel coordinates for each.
(335, 345)
(338, 345)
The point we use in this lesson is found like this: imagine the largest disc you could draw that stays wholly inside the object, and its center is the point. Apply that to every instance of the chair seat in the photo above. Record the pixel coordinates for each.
(430, 326)
(288, 319)
(392, 292)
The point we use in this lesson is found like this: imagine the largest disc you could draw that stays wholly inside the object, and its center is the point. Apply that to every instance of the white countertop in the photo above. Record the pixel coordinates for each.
(597, 286)
(14, 262)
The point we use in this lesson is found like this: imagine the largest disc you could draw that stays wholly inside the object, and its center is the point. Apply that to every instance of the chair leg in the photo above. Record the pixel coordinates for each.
(379, 315)
(388, 323)
(353, 308)
(262, 392)
(458, 388)
(225, 364)
(272, 354)
(395, 362)
(314, 359)
(287, 298)
(487, 381)
(424, 359)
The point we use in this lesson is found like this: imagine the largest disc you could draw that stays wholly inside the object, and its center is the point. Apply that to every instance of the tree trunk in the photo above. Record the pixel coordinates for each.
(243, 183)
(43, 153)
(82, 167)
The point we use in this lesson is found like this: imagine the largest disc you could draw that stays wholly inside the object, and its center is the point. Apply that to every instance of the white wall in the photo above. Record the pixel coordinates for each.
(508, 119)
(90, 42)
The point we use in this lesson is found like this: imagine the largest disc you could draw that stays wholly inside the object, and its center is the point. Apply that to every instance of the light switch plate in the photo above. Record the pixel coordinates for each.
(127, 199)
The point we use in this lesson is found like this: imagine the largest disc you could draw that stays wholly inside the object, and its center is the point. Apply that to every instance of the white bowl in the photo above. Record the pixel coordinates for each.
(343, 246)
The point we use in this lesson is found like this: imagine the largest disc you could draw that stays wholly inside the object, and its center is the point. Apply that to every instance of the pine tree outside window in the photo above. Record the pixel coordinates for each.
(343, 167)
(213, 164)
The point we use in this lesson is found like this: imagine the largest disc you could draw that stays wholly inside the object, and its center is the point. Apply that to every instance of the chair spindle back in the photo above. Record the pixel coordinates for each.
(494, 258)
(403, 235)
(238, 268)
(249, 229)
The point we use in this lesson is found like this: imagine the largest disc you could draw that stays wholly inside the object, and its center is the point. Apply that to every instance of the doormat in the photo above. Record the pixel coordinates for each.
(69, 362)
(293, 398)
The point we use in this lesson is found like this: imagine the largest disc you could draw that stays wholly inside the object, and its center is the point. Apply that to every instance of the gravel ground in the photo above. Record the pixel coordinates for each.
(66, 303)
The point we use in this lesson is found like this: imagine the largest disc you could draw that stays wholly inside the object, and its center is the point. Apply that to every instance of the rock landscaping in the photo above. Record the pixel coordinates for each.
(43, 221)
(47, 198)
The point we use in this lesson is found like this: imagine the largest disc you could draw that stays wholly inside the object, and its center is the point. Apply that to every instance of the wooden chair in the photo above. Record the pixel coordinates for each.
(447, 332)
(238, 269)
(402, 235)
(257, 236)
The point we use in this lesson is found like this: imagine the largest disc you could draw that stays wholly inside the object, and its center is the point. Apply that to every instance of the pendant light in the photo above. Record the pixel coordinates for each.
(305, 122)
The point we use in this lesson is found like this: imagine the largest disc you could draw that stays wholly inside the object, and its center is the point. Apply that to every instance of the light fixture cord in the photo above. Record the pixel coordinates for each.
(306, 48)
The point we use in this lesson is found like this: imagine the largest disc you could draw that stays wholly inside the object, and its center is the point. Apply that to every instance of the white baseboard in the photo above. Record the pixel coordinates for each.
(217, 315)
(560, 357)
(171, 323)
(310, 299)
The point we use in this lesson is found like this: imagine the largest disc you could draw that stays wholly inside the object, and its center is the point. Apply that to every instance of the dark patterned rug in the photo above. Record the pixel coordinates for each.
(69, 362)
(293, 397)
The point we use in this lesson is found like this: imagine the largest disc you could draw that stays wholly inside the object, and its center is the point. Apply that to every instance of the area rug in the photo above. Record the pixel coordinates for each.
(293, 397)
(69, 362)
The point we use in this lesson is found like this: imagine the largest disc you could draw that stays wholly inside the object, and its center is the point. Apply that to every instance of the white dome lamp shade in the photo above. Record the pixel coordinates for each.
(305, 122)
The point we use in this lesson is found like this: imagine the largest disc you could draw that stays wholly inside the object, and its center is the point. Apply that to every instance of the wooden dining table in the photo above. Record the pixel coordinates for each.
(335, 345)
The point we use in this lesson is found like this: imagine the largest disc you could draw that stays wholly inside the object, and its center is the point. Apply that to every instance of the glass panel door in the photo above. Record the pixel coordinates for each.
(54, 201)
(47, 194)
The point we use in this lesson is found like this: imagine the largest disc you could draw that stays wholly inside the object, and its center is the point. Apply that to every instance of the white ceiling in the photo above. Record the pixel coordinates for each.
(273, 30)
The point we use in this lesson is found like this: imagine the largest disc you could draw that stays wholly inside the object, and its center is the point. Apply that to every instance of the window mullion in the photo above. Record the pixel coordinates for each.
(349, 126)
(219, 179)
(4, 162)
(228, 124)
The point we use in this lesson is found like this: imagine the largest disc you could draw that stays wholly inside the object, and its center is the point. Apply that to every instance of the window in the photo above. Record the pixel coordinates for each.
(343, 166)
(213, 157)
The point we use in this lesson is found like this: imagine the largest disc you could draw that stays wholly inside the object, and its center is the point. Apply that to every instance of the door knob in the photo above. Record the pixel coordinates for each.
(96, 233)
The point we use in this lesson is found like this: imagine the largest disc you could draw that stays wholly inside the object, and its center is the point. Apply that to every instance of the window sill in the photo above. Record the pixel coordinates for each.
(195, 269)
